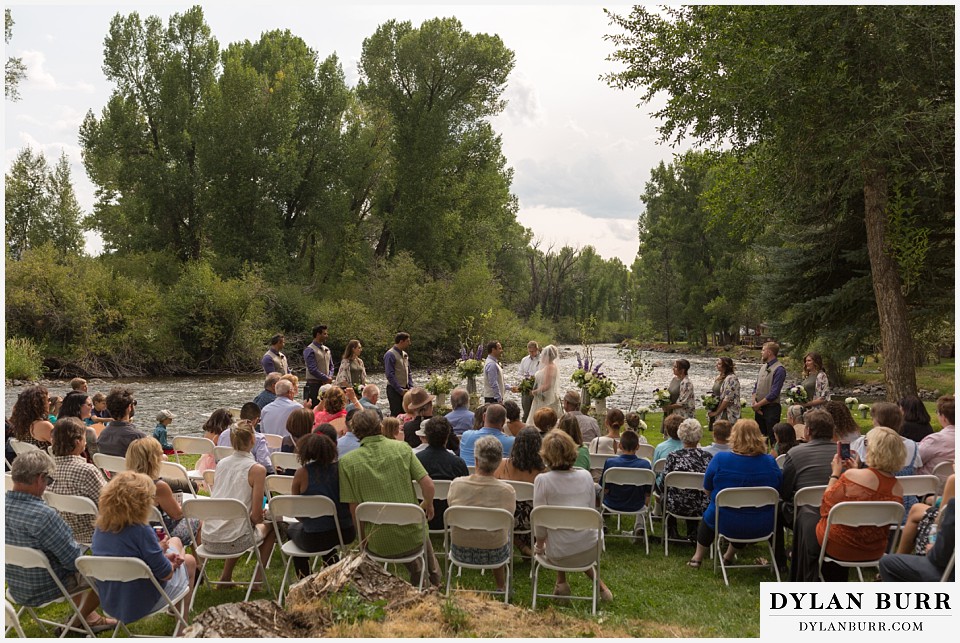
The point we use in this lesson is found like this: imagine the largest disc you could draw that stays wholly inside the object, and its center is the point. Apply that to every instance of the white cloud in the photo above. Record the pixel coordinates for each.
(39, 78)
(523, 101)
(568, 226)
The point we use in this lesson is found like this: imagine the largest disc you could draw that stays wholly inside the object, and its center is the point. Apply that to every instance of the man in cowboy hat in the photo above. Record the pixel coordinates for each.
(421, 405)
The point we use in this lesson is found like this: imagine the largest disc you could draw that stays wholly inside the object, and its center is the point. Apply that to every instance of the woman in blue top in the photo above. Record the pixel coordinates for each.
(126, 504)
(747, 464)
(318, 476)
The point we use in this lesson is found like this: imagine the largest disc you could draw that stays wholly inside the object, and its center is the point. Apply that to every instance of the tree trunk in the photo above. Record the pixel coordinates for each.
(899, 373)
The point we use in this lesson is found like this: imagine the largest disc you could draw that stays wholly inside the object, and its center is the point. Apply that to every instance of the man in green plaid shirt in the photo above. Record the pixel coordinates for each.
(381, 470)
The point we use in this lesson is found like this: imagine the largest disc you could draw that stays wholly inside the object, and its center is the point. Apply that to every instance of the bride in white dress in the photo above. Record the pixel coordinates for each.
(547, 385)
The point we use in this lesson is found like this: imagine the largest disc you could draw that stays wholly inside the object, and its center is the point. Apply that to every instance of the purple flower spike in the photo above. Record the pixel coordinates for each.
(579, 361)
(463, 352)
(586, 364)
(479, 351)
(596, 369)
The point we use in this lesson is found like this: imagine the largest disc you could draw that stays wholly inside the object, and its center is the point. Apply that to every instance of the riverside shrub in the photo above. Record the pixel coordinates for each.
(22, 359)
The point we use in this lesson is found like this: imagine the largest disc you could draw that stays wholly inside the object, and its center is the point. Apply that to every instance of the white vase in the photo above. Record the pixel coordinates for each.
(601, 406)
(441, 400)
(471, 384)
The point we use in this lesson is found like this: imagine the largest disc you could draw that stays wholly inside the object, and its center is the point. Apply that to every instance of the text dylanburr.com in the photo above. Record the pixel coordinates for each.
(873, 609)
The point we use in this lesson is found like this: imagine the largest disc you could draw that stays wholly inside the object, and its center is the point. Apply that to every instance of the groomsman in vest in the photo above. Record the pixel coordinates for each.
(316, 356)
(273, 360)
(396, 366)
(766, 392)
(493, 374)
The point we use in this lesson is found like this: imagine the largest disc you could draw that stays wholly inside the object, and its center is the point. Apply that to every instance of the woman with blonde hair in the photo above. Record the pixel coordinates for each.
(565, 486)
(240, 477)
(123, 529)
(144, 456)
(746, 464)
(352, 373)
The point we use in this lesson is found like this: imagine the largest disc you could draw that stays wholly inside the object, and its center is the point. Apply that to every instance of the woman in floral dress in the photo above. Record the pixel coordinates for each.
(815, 381)
(687, 502)
(684, 404)
(728, 393)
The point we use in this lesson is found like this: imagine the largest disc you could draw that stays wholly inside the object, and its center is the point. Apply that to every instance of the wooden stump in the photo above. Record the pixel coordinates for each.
(256, 619)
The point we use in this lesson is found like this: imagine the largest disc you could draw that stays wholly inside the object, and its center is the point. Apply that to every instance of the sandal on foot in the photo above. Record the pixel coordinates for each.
(694, 563)
(102, 624)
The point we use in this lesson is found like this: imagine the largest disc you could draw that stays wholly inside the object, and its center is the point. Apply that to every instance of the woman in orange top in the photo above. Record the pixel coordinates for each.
(885, 455)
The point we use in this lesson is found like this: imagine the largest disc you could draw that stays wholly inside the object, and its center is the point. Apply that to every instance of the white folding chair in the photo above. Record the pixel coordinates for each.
(569, 518)
(11, 621)
(28, 558)
(806, 497)
(110, 463)
(597, 460)
(156, 519)
(226, 509)
(781, 459)
(919, 485)
(743, 498)
(397, 514)
(524, 491)
(948, 570)
(281, 460)
(943, 471)
(277, 485)
(274, 441)
(219, 453)
(656, 503)
(124, 569)
(208, 477)
(177, 473)
(282, 507)
(191, 445)
(8, 482)
(22, 447)
(440, 490)
(674, 481)
(478, 519)
(629, 476)
(860, 514)
(646, 451)
(78, 505)
(659, 465)
(471, 469)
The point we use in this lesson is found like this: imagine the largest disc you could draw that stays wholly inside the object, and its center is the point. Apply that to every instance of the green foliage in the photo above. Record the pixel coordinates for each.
(456, 618)
(22, 359)
(347, 606)
(14, 70)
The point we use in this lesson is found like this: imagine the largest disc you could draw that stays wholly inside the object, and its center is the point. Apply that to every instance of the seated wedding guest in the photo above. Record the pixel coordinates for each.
(940, 446)
(332, 410)
(118, 435)
(218, 422)
(621, 497)
(390, 428)
(847, 429)
(607, 444)
(916, 419)
(74, 476)
(513, 425)
(30, 522)
(569, 425)
(885, 454)
(633, 423)
(440, 463)
(747, 464)
(795, 419)
(921, 531)
(79, 405)
(907, 568)
(482, 489)
(545, 419)
(784, 439)
(461, 417)
(31, 417)
(691, 458)
(261, 452)
(479, 416)
(721, 435)
(144, 456)
(123, 529)
(299, 423)
(670, 425)
(242, 478)
(565, 486)
(318, 475)
(523, 465)
(250, 411)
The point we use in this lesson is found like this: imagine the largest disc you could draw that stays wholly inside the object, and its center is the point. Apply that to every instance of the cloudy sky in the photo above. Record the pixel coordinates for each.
(581, 151)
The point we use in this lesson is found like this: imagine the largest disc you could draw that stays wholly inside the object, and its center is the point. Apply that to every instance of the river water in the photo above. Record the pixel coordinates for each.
(192, 399)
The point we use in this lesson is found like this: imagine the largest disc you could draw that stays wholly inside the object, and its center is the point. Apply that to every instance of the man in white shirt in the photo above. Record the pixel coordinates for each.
(273, 418)
(529, 366)
(493, 388)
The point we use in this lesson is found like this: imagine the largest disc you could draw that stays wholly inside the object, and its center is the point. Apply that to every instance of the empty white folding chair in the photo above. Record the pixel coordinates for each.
(282, 507)
(171, 471)
(28, 558)
(12, 621)
(372, 514)
(860, 514)
(79, 505)
(482, 519)
(192, 445)
(919, 485)
(673, 482)
(646, 451)
(569, 518)
(124, 570)
(232, 510)
(219, 453)
(8, 482)
(744, 498)
(629, 476)
(281, 460)
(440, 490)
(110, 463)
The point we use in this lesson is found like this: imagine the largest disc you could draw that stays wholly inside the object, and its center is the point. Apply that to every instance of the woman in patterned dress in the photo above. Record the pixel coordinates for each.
(726, 389)
(688, 502)
(815, 381)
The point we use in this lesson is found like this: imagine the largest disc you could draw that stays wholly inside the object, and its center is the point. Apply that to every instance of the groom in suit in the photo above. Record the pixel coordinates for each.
(493, 388)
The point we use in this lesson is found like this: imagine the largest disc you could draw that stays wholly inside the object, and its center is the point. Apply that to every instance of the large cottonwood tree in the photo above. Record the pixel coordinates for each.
(851, 99)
